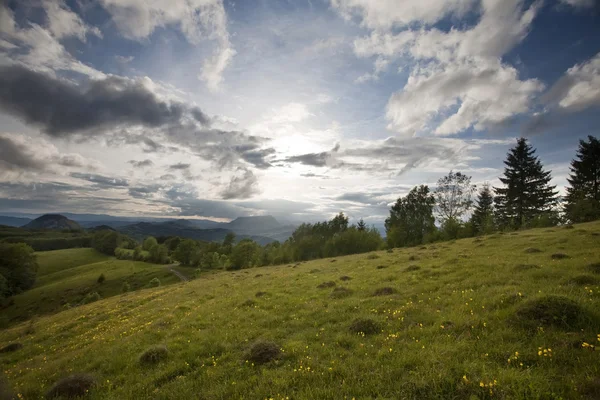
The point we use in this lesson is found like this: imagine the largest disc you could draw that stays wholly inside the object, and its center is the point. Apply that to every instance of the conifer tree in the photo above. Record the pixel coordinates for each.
(482, 218)
(583, 195)
(361, 226)
(527, 195)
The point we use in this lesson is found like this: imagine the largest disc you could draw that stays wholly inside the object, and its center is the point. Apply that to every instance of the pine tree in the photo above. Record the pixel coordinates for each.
(361, 226)
(483, 213)
(526, 195)
(583, 195)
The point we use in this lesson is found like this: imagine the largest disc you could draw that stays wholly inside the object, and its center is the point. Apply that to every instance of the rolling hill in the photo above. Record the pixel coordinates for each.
(506, 316)
(53, 222)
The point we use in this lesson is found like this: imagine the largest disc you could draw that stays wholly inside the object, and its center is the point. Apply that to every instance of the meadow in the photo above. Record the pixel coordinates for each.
(65, 277)
(506, 316)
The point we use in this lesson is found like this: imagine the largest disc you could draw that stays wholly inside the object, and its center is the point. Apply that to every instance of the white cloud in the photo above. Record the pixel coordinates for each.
(198, 20)
(457, 78)
(63, 22)
(383, 14)
(579, 88)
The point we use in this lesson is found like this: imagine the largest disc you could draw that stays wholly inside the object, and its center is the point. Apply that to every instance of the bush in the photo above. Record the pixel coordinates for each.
(73, 386)
(154, 355)
(556, 311)
(154, 283)
(365, 326)
(90, 298)
(101, 278)
(18, 266)
(262, 352)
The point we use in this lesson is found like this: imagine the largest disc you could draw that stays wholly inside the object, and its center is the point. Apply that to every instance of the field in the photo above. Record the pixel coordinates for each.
(507, 316)
(66, 276)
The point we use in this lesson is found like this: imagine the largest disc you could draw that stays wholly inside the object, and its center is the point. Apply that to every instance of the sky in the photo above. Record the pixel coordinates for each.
(297, 109)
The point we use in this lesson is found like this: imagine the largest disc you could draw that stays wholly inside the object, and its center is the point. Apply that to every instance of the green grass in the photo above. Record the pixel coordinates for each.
(447, 331)
(66, 276)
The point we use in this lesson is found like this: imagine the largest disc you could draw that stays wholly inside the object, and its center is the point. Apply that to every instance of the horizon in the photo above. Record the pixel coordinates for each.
(215, 110)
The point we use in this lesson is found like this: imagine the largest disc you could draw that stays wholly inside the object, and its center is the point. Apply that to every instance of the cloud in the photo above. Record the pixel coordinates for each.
(19, 153)
(322, 159)
(241, 186)
(578, 88)
(141, 164)
(198, 20)
(457, 78)
(179, 166)
(62, 22)
(101, 180)
(579, 3)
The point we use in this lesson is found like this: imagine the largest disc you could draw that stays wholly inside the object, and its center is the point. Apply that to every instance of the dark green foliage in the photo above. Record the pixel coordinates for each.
(101, 278)
(245, 254)
(154, 355)
(71, 387)
(126, 287)
(18, 267)
(453, 196)
(186, 251)
(325, 285)
(262, 352)
(411, 218)
(361, 226)
(149, 242)
(365, 326)
(556, 311)
(90, 298)
(56, 240)
(384, 291)
(9, 348)
(106, 241)
(590, 389)
(154, 283)
(582, 202)
(341, 292)
(527, 198)
(158, 254)
(483, 215)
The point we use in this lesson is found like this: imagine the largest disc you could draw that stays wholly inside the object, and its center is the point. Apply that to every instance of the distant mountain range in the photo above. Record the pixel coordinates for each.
(262, 229)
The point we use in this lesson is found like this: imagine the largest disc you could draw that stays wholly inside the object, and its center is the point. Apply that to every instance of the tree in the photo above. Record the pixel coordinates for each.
(453, 195)
(149, 242)
(411, 218)
(245, 254)
(18, 266)
(159, 254)
(361, 226)
(228, 243)
(106, 241)
(338, 224)
(483, 216)
(582, 202)
(185, 251)
(527, 194)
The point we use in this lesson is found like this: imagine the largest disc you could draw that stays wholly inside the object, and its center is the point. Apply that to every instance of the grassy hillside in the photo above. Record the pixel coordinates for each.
(66, 276)
(505, 316)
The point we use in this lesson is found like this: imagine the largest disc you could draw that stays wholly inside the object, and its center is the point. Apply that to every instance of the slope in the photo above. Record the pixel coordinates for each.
(473, 318)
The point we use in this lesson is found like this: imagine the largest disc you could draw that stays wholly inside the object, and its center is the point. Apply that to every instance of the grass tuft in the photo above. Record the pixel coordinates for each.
(384, 291)
(532, 250)
(559, 256)
(248, 303)
(154, 355)
(594, 268)
(325, 285)
(411, 268)
(71, 387)
(262, 352)
(556, 311)
(583, 280)
(345, 278)
(365, 326)
(261, 294)
(9, 348)
(341, 292)
(525, 267)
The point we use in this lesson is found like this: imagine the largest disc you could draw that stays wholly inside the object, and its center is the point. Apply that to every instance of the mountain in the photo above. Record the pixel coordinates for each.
(14, 221)
(53, 222)
(263, 222)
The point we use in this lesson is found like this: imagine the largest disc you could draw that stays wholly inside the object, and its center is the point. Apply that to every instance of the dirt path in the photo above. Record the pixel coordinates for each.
(177, 273)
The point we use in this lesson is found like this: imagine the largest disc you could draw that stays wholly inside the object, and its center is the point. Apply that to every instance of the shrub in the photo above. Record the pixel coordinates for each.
(9, 348)
(262, 352)
(154, 355)
(326, 285)
(384, 291)
(125, 288)
(90, 298)
(101, 278)
(559, 256)
(557, 311)
(155, 282)
(72, 386)
(341, 292)
(365, 326)
(411, 268)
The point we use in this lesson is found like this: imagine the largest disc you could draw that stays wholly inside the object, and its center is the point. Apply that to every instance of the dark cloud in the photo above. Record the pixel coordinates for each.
(167, 177)
(179, 166)
(241, 186)
(15, 155)
(313, 175)
(144, 191)
(62, 108)
(101, 180)
(141, 164)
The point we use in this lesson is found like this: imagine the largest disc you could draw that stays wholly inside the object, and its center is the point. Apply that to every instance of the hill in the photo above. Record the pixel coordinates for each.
(13, 221)
(53, 222)
(507, 316)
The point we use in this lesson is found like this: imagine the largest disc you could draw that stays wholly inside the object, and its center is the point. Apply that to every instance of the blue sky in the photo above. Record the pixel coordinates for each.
(299, 109)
